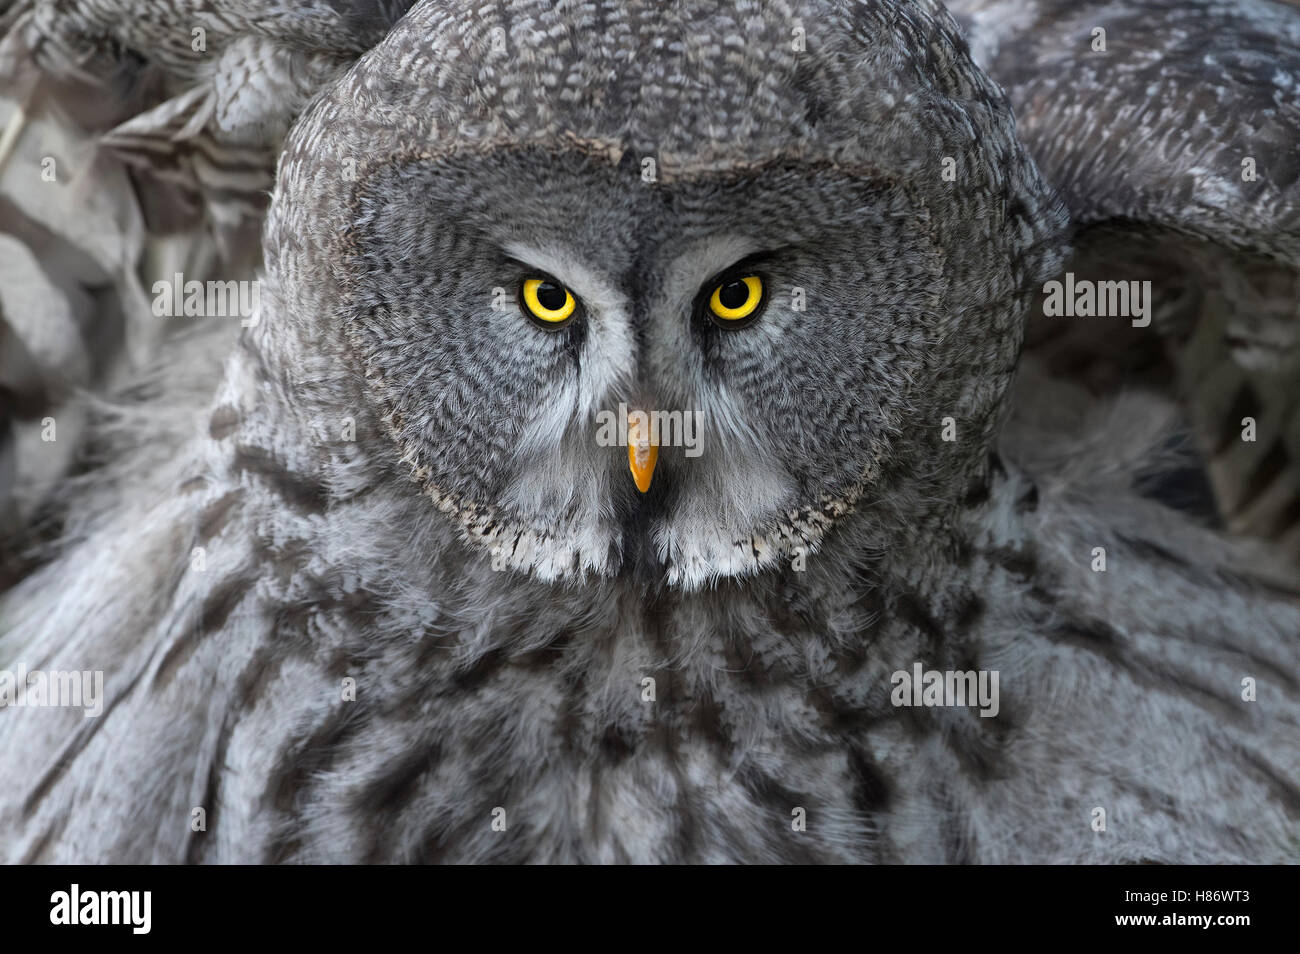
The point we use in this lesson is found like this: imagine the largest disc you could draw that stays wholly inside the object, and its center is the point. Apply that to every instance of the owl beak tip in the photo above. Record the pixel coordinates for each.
(642, 474)
(642, 455)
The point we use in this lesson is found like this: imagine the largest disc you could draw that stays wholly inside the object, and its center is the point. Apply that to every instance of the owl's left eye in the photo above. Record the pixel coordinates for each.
(547, 302)
(735, 301)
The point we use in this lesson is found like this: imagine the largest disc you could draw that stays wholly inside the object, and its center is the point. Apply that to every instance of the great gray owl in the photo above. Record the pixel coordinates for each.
(367, 575)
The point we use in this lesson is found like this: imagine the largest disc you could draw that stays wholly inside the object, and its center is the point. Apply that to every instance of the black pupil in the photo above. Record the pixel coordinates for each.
(733, 294)
(551, 296)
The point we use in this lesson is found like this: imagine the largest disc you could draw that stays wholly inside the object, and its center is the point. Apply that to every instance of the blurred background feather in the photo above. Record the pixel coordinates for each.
(138, 139)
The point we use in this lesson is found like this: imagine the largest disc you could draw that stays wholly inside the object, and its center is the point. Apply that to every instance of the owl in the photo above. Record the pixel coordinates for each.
(686, 433)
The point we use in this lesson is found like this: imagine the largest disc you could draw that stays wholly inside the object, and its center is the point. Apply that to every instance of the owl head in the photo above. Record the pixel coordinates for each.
(684, 290)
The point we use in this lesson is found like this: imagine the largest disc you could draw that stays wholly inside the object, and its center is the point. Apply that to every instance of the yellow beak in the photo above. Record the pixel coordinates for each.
(641, 453)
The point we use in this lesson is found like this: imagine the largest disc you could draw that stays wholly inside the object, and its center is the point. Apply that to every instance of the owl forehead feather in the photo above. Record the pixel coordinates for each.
(694, 85)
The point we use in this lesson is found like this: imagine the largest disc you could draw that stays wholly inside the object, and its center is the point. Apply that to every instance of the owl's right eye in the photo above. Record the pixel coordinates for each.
(548, 303)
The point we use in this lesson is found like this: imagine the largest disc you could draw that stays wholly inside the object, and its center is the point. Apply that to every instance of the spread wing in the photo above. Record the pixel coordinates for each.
(138, 139)
(1172, 130)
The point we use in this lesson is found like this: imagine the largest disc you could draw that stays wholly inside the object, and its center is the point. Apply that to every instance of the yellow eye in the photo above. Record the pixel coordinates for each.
(736, 299)
(547, 302)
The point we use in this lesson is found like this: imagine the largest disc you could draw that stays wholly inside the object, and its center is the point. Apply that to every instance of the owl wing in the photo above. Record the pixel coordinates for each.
(137, 138)
(1171, 129)
(195, 98)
